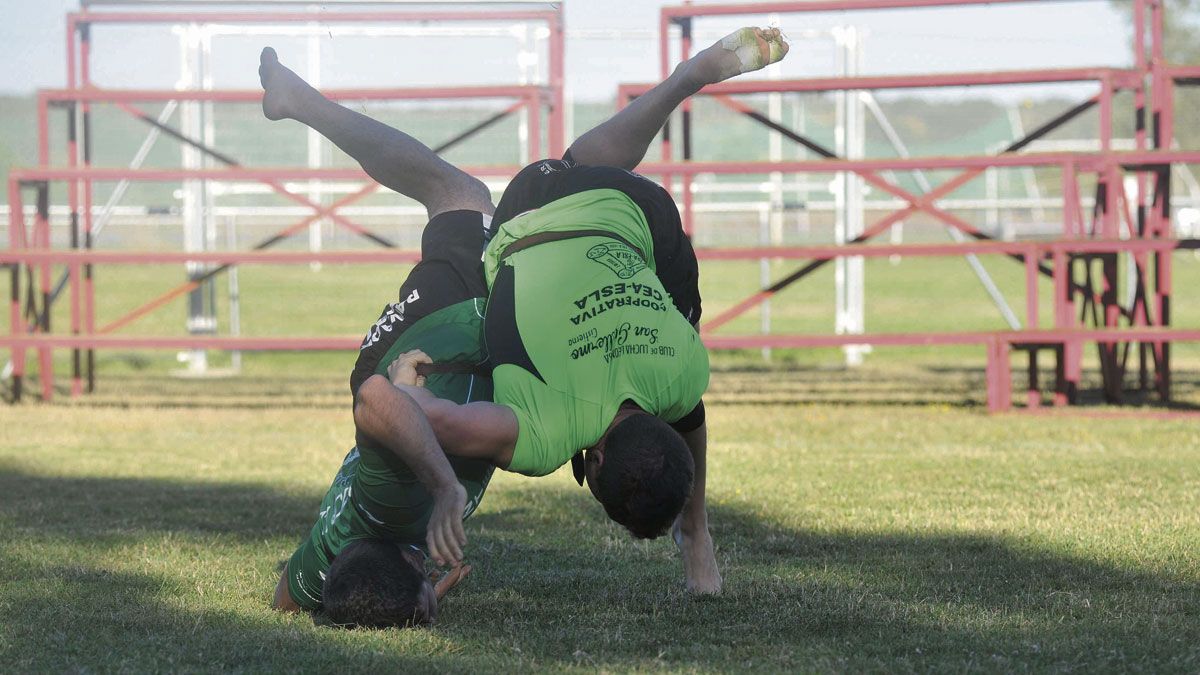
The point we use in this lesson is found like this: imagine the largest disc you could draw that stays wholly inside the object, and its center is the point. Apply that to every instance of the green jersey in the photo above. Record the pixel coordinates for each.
(578, 323)
(374, 494)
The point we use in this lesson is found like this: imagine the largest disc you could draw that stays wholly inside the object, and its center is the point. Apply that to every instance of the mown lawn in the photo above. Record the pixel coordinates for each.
(866, 520)
(853, 538)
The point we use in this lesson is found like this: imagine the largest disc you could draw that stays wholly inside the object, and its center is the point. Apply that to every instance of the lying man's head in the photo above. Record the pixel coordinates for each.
(641, 470)
(374, 583)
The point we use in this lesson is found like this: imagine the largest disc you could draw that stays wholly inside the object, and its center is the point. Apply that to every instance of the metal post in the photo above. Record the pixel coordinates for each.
(849, 225)
(89, 282)
(557, 55)
(664, 61)
(1144, 227)
(200, 320)
(42, 240)
(312, 64)
(1164, 136)
(764, 273)
(72, 137)
(526, 64)
(235, 296)
(775, 148)
(16, 322)
(685, 112)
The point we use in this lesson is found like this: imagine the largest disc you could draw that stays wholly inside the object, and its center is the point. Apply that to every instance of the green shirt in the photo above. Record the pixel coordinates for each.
(596, 324)
(374, 494)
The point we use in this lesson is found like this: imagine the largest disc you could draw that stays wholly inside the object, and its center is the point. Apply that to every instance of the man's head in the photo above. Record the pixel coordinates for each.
(641, 472)
(375, 583)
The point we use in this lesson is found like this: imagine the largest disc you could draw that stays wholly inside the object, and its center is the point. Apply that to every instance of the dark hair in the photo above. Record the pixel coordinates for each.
(646, 475)
(371, 585)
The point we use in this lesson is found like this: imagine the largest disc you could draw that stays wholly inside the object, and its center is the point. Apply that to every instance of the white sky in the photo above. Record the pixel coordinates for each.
(1037, 34)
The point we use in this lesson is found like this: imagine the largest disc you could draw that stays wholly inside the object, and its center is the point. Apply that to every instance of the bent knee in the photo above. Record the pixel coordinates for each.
(460, 193)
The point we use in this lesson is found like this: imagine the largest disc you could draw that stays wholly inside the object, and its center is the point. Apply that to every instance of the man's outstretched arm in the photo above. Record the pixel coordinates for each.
(691, 529)
(480, 430)
(391, 417)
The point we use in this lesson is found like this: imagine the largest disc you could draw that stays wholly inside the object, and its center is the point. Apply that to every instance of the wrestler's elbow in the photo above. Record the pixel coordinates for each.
(378, 405)
(372, 400)
(442, 416)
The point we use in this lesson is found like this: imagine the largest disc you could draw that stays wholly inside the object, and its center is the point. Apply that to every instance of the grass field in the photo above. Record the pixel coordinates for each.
(866, 520)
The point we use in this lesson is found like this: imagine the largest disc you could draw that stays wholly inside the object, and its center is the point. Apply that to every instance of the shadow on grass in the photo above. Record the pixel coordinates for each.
(80, 618)
(557, 585)
(92, 508)
(817, 600)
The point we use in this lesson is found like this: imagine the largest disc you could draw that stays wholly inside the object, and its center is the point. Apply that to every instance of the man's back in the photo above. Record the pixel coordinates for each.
(578, 323)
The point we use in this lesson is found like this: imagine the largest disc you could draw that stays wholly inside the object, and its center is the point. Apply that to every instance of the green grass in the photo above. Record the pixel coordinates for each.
(873, 519)
(864, 538)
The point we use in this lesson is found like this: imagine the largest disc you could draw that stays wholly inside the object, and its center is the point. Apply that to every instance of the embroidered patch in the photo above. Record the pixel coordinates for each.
(619, 258)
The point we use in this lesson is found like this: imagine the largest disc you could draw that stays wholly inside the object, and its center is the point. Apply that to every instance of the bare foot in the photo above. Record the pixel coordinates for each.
(742, 51)
(282, 89)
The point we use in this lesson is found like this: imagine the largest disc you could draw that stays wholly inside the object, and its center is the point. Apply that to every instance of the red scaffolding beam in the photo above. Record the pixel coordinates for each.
(81, 94)
(1143, 217)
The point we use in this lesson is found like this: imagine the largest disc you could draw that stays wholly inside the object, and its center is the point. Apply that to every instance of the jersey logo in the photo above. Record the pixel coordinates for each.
(393, 314)
(622, 260)
(553, 166)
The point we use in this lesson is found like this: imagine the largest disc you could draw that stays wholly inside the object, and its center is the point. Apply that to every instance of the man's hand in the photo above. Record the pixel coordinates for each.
(691, 527)
(403, 371)
(283, 598)
(444, 535)
(386, 413)
(699, 560)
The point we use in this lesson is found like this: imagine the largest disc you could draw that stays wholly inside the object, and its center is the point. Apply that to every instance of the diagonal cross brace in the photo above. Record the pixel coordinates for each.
(230, 161)
(926, 202)
(319, 211)
(193, 284)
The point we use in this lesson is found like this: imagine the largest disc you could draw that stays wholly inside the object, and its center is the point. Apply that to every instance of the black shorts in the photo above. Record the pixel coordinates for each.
(674, 259)
(450, 271)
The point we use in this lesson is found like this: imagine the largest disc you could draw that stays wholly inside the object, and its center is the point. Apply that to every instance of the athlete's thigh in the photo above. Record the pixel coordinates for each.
(450, 272)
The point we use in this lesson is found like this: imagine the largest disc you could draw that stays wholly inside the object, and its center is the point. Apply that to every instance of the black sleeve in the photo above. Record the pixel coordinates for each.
(691, 421)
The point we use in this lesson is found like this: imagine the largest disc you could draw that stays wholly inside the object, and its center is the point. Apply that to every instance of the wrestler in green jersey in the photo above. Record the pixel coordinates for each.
(374, 494)
(578, 323)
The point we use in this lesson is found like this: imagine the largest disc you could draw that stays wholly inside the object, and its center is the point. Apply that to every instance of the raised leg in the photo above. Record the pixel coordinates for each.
(622, 140)
(393, 158)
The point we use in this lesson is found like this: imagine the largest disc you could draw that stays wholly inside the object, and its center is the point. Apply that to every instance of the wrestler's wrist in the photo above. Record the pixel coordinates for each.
(446, 486)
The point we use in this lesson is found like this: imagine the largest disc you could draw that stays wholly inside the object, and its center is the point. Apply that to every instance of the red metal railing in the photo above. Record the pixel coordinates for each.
(34, 253)
(80, 176)
(1143, 217)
